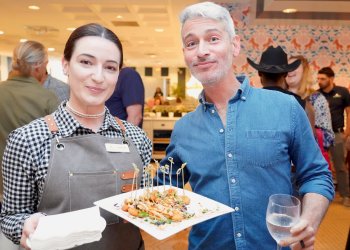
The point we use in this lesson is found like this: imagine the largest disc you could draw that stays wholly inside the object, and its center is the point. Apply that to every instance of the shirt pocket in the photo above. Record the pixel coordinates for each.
(87, 187)
(264, 148)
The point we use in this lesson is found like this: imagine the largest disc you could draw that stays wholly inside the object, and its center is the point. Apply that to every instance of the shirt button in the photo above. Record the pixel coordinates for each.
(212, 111)
(233, 180)
(229, 155)
(236, 208)
(221, 131)
(238, 235)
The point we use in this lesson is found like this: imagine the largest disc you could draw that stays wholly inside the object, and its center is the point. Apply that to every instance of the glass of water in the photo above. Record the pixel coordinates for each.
(283, 212)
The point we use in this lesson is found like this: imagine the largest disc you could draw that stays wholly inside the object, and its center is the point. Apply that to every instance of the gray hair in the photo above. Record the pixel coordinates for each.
(209, 10)
(27, 56)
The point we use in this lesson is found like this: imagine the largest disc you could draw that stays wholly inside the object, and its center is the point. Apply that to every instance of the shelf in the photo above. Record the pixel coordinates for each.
(158, 155)
(161, 140)
(159, 131)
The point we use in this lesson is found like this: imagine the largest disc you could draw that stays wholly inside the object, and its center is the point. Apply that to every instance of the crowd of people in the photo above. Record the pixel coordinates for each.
(260, 136)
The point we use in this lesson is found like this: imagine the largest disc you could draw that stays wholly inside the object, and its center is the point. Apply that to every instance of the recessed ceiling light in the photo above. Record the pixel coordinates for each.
(50, 49)
(289, 11)
(1, 32)
(71, 28)
(119, 17)
(151, 55)
(158, 30)
(22, 40)
(33, 7)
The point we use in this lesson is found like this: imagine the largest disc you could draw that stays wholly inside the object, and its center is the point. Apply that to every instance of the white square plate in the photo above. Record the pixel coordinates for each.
(203, 208)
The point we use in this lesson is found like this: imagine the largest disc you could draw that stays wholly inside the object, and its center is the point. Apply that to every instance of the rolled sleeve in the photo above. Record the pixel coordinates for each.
(312, 173)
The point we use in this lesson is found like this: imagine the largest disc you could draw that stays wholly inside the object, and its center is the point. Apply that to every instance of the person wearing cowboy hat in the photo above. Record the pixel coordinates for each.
(273, 69)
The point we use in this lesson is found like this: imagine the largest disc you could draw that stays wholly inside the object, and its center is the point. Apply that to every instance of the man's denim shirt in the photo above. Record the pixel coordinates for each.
(242, 164)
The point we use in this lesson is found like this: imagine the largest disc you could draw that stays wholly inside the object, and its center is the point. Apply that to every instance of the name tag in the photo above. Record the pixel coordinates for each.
(117, 148)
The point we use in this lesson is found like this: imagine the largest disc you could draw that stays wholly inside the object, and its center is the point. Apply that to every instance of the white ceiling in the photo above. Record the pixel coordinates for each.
(143, 46)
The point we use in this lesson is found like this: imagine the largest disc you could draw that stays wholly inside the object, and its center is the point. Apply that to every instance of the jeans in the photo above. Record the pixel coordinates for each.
(338, 158)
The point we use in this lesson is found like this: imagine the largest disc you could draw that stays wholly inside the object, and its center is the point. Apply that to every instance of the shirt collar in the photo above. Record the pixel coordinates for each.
(242, 92)
(30, 79)
(67, 125)
(330, 93)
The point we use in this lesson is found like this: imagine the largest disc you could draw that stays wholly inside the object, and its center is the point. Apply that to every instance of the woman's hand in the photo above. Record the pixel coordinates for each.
(29, 227)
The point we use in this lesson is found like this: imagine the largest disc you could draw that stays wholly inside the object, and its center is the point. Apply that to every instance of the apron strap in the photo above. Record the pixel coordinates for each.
(54, 129)
(51, 123)
(121, 125)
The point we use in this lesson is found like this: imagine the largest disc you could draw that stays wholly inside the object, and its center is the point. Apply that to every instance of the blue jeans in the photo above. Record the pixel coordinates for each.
(338, 157)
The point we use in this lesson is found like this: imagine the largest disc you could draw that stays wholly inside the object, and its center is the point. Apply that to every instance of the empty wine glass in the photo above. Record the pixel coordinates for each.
(283, 212)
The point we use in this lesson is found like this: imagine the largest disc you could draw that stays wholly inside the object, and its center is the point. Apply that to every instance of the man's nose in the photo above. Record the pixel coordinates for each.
(203, 49)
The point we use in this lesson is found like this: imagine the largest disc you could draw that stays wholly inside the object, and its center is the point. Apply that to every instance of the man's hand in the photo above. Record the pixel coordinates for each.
(29, 227)
(302, 231)
(314, 207)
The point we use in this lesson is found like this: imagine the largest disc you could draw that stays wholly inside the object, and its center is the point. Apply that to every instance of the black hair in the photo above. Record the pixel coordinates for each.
(91, 29)
(326, 71)
(272, 77)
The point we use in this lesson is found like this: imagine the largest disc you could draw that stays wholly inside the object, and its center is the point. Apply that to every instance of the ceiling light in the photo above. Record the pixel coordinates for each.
(151, 55)
(158, 30)
(33, 7)
(119, 17)
(23, 40)
(71, 29)
(50, 49)
(288, 11)
(1, 32)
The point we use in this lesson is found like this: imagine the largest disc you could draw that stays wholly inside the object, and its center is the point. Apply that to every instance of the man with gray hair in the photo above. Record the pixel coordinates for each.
(239, 142)
(22, 98)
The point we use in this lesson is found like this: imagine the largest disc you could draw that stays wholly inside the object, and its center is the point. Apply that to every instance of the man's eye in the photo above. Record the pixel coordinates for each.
(190, 44)
(214, 39)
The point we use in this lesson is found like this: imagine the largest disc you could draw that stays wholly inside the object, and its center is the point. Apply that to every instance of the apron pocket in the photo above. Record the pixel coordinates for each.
(87, 187)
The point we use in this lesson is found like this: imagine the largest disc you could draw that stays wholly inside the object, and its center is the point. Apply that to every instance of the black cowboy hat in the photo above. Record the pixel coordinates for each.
(274, 60)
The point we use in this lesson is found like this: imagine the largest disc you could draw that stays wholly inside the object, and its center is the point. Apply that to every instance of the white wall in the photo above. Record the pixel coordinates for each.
(55, 69)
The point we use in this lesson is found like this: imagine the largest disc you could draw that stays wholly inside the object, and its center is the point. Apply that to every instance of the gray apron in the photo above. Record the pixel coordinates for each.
(80, 172)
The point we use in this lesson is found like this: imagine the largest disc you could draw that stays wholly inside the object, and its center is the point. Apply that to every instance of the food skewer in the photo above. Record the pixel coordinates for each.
(134, 179)
(171, 160)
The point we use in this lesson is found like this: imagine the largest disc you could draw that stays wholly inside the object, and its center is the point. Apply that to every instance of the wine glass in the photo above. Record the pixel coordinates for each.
(283, 212)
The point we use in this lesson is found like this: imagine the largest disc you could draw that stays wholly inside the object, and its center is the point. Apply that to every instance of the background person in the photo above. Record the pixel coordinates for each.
(255, 134)
(158, 93)
(339, 101)
(71, 142)
(273, 69)
(128, 98)
(300, 82)
(58, 87)
(23, 99)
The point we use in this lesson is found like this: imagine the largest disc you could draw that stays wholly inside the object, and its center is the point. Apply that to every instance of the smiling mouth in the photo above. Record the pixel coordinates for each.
(203, 64)
(94, 89)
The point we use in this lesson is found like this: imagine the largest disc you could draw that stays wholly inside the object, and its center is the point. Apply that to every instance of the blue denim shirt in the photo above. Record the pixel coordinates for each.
(243, 164)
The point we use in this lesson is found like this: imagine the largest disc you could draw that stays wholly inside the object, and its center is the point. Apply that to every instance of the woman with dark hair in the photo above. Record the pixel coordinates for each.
(61, 162)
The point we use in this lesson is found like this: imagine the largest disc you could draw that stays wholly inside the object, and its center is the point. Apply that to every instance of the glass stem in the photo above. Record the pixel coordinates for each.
(278, 247)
